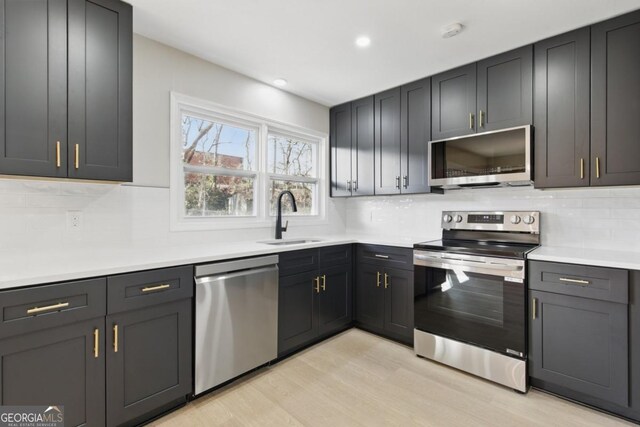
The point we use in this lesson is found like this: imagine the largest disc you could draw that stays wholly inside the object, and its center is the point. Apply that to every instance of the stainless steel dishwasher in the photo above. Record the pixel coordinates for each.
(236, 319)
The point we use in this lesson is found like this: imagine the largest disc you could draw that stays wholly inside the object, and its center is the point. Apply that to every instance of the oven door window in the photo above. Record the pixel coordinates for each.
(480, 309)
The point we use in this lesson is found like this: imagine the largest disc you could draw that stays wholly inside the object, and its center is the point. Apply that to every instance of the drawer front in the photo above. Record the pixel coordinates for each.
(42, 307)
(297, 262)
(387, 256)
(146, 288)
(605, 284)
(331, 256)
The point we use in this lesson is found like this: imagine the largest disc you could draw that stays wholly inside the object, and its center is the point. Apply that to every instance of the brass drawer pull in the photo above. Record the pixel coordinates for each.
(378, 279)
(471, 120)
(115, 338)
(533, 308)
(36, 310)
(597, 167)
(77, 159)
(386, 280)
(58, 161)
(581, 168)
(316, 288)
(382, 256)
(96, 343)
(578, 281)
(481, 118)
(155, 288)
(324, 282)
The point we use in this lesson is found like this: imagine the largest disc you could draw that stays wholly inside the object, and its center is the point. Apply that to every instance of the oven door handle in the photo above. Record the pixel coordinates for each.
(471, 266)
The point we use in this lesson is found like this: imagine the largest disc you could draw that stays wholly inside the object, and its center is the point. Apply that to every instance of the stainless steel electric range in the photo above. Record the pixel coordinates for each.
(470, 294)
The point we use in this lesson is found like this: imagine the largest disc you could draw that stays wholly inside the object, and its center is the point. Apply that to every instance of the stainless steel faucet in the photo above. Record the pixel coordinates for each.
(279, 227)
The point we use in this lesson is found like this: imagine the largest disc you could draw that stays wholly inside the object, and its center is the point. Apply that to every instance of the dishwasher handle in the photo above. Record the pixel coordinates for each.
(232, 275)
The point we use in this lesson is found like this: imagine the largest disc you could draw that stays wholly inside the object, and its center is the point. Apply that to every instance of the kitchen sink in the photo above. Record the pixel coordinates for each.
(283, 242)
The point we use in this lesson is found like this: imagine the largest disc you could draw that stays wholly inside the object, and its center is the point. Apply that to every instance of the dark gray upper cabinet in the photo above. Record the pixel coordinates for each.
(66, 105)
(340, 141)
(561, 110)
(362, 147)
(33, 87)
(505, 90)
(100, 90)
(387, 140)
(615, 90)
(453, 102)
(149, 366)
(415, 133)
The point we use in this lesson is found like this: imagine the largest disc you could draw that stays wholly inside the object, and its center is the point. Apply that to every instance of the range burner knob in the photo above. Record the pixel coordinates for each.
(447, 218)
(529, 219)
(515, 219)
(458, 218)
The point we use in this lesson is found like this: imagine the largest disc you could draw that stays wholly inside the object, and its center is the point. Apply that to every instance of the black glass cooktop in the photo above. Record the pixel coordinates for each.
(471, 247)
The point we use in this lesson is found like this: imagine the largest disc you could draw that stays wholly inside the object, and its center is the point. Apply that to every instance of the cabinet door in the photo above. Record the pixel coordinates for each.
(415, 133)
(561, 113)
(453, 102)
(335, 299)
(57, 366)
(398, 302)
(149, 362)
(33, 87)
(505, 90)
(615, 90)
(100, 90)
(580, 344)
(369, 296)
(362, 147)
(340, 139)
(297, 311)
(387, 136)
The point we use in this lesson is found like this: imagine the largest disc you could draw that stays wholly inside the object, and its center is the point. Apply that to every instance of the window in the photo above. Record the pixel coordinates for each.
(228, 168)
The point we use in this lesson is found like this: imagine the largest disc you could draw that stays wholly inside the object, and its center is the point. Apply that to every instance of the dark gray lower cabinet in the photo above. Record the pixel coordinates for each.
(148, 362)
(384, 294)
(317, 302)
(57, 366)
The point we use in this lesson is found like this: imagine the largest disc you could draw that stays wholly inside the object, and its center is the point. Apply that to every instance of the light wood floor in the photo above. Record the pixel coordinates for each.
(358, 379)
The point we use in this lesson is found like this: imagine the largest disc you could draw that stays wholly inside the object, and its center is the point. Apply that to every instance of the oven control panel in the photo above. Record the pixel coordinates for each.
(514, 221)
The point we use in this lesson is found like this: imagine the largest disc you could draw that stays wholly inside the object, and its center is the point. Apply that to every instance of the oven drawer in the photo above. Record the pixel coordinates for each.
(143, 289)
(42, 307)
(605, 284)
(388, 256)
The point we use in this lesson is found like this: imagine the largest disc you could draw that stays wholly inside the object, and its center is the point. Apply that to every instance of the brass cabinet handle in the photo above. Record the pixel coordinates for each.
(471, 120)
(577, 281)
(77, 155)
(386, 280)
(597, 167)
(481, 118)
(115, 338)
(156, 288)
(317, 284)
(36, 310)
(378, 279)
(96, 342)
(533, 308)
(324, 282)
(581, 168)
(58, 161)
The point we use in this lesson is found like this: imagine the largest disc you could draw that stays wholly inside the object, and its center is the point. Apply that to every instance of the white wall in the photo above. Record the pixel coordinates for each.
(33, 212)
(607, 218)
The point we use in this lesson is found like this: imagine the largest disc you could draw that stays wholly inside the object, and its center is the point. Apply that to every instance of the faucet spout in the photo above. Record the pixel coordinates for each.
(279, 227)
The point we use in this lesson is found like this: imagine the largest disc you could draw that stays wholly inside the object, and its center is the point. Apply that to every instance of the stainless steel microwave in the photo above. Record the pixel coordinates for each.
(493, 158)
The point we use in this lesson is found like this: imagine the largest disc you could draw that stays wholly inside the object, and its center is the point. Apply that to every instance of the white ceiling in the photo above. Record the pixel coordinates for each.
(311, 42)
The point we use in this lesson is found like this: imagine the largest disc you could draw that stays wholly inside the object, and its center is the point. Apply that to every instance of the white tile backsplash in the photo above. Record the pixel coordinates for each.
(606, 218)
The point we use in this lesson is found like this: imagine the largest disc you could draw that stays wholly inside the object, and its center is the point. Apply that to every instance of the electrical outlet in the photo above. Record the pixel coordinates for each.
(74, 220)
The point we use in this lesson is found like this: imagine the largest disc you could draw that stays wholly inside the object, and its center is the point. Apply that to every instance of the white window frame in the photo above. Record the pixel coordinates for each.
(184, 104)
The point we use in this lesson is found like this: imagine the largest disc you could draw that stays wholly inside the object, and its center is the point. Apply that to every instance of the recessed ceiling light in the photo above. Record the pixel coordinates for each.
(451, 30)
(280, 82)
(363, 41)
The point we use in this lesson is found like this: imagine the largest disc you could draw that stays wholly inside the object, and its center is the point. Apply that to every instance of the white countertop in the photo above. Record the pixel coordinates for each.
(596, 257)
(83, 261)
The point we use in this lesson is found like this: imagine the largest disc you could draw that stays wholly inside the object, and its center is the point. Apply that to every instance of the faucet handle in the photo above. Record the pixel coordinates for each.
(286, 225)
